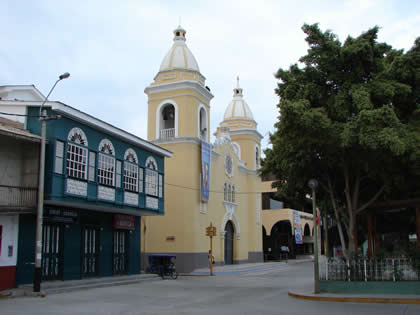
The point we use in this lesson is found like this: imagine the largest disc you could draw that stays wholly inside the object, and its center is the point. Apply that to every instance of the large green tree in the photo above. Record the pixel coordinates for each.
(349, 117)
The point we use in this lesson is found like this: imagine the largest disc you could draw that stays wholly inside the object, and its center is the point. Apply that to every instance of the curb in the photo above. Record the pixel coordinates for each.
(390, 300)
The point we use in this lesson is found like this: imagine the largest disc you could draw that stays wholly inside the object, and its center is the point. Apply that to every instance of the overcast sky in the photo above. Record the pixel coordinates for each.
(113, 49)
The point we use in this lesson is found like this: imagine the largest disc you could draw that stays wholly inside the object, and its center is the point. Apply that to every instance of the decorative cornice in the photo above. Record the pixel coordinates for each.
(180, 85)
(194, 140)
(246, 131)
(96, 123)
(75, 205)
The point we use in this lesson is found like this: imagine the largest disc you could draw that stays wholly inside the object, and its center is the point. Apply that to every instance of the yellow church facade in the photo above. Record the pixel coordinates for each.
(225, 193)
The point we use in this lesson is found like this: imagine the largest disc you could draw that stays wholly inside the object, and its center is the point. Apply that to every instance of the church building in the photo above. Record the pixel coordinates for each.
(204, 183)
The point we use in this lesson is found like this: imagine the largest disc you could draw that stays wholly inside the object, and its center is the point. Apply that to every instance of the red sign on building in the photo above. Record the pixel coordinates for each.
(122, 221)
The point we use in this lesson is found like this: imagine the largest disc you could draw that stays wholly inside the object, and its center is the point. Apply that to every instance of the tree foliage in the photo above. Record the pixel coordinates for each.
(349, 117)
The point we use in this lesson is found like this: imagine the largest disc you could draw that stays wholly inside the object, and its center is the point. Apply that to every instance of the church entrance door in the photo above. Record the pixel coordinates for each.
(229, 231)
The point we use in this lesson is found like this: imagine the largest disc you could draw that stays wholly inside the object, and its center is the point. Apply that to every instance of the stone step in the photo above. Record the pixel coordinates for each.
(54, 287)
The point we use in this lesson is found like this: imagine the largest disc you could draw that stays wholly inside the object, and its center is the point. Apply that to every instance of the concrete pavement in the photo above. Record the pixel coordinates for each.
(304, 292)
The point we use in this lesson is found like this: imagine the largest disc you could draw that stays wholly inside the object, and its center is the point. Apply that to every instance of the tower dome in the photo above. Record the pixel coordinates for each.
(179, 56)
(238, 108)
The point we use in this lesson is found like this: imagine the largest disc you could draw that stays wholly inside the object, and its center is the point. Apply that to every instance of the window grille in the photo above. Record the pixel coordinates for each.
(151, 182)
(106, 169)
(131, 176)
(76, 161)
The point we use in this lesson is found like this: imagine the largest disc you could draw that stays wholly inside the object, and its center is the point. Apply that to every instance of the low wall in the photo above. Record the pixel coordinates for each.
(371, 287)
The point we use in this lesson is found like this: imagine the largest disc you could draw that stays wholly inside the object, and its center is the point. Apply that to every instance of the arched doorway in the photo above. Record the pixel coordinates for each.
(229, 235)
(281, 235)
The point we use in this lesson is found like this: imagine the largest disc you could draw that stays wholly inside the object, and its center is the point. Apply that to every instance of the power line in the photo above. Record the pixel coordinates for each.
(20, 115)
(214, 191)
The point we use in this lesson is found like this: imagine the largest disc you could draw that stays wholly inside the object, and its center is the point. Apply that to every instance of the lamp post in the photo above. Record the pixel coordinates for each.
(38, 240)
(313, 184)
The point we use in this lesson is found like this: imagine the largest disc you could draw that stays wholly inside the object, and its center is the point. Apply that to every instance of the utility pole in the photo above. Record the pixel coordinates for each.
(38, 241)
(313, 184)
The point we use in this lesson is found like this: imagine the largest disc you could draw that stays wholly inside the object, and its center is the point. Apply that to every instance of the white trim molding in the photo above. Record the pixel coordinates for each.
(207, 122)
(180, 85)
(230, 216)
(159, 113)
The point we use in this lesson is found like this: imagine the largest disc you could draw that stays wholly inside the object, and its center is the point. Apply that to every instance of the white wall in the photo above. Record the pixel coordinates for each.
(10, 225)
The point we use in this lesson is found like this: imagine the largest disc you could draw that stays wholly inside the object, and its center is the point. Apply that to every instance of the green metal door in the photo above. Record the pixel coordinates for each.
(52, 252)
(120, 252)
(90, 251)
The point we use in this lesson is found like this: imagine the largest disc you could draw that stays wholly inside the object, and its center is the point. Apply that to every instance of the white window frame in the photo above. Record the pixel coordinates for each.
(106, 163)
(131, 176)
(59, 157)
(92, 162)
(76, 161)
(152, 177)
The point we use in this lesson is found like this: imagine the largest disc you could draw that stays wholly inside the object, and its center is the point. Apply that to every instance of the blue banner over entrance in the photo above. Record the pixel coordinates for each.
(205, 170)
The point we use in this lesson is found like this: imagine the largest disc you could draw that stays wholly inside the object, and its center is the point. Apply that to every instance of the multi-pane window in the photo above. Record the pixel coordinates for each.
(106, 164)
(76, 161)
(131, 172)
(152, 177)
(151, 182)
(229, 192)
(233, 193)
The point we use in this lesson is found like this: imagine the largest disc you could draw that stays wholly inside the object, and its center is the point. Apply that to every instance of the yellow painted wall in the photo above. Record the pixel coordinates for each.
(188, 102)
(271, 217)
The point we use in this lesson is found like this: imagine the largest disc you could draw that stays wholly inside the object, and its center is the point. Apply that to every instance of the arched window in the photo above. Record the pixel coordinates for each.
(106, 163)
(167, 122)
(233, 193)
(202, 123)
(152, 184)
(77, 150)
(257, 158)
(131, 171)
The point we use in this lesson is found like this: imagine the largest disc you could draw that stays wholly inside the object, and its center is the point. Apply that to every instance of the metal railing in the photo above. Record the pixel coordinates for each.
(17, 197)
(167, 133)
(387, 269)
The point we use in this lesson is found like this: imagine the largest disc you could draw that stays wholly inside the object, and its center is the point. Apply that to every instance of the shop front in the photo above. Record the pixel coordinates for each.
(79, 244)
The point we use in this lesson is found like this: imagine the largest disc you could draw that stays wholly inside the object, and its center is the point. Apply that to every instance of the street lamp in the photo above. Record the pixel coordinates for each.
(38, 240)
(313, 184)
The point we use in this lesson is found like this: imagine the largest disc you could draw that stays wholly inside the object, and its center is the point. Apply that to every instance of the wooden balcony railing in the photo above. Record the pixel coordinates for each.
(17, 197)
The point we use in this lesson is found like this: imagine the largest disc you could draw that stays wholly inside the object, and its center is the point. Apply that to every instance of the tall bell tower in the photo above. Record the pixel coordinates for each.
(178, 100)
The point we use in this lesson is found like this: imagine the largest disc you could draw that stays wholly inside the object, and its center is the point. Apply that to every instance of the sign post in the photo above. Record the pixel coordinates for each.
(211, 231)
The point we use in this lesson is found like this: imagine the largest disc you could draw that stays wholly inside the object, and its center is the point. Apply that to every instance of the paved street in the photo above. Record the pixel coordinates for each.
(262, 292)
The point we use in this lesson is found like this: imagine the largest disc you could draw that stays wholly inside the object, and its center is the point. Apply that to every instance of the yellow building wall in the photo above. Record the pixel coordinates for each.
(247, 144)
(188, 102)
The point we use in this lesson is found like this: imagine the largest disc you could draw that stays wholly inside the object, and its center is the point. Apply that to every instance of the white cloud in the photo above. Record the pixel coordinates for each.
(114, 49)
